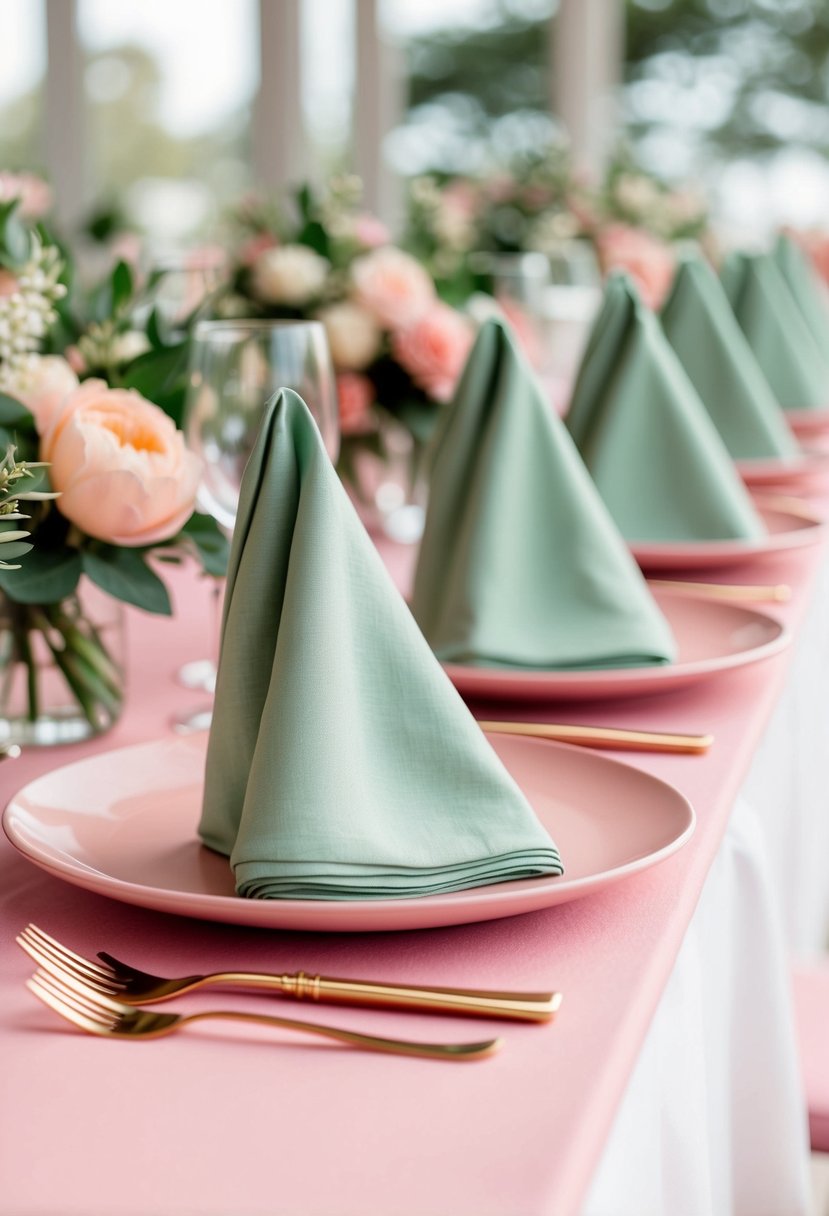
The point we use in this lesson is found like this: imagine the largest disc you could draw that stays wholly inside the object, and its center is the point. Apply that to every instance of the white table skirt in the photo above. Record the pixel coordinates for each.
(712, 1122)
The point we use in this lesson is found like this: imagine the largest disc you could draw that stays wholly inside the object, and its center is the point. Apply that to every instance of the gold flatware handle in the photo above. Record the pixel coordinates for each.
(513, 1006)
(9, 751)
(778, 593)
(605, 736)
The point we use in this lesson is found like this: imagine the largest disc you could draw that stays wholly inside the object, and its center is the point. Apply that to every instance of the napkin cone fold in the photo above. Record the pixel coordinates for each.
(645, 436)
(804, 284)
(520, 563)
(341, 762)
(777, 331)
(704, 333)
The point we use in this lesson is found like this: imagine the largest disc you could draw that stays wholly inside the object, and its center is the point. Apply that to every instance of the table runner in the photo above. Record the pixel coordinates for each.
(255, 1127)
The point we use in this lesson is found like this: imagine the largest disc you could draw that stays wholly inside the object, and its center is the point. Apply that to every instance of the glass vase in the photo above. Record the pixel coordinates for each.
(61, 668)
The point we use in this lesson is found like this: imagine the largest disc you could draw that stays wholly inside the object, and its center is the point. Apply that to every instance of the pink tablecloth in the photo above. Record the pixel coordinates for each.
(214, 1123)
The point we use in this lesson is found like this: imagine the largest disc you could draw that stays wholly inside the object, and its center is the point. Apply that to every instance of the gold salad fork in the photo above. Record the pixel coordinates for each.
(133, 987)
(98, 1014)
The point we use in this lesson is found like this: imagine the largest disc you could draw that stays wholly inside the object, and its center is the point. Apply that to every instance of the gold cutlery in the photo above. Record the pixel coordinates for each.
(9, 751)
(777, 593)
(606, 736)
(118, 980)
(101, 1015)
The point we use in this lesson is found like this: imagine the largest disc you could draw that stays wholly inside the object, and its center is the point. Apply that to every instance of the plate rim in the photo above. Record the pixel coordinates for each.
(265, 913)
(653, 674)
(810, 529)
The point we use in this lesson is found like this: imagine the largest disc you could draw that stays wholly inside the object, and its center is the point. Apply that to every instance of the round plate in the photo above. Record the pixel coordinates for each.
(712, 637)
(809, 464)
(786, 529)
(123, 823)
(808, 422)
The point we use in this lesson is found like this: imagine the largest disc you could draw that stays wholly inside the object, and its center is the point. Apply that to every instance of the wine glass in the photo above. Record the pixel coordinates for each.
(235, 367)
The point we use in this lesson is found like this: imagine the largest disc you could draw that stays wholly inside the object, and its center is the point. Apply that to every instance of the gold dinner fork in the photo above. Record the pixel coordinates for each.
(98, 1014)
(133, 987)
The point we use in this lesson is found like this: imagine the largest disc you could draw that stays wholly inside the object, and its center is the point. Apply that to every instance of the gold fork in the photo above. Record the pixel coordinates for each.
(133, 987)
(98, 1014)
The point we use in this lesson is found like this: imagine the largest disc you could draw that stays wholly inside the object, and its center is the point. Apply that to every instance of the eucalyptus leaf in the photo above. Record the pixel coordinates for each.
(15, 413)
(124, 574)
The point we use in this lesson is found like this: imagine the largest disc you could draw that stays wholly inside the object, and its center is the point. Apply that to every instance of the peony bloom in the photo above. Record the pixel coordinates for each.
(45, 388)
(355, 397)
(648, 261)
(353, 335)
(369, 231)
(34, 193)
(393, 286)
(120, 465)
(289, 274)
(434, 350)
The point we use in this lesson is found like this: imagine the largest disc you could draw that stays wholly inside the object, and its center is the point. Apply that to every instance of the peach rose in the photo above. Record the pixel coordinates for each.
(394, 287)
(353, 335)
(355, 396)
(434, 350)
(46, 387)
(120, 465)
(648, 261)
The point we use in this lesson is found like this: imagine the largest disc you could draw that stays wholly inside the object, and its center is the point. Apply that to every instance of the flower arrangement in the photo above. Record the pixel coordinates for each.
(109, 484)
(397, 349)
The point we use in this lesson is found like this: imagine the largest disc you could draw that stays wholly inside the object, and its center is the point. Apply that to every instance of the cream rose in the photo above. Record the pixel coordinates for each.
(288, 274)
(121, 467)
(434, 350)
(45, 388)
(395, 288)
(353, 335)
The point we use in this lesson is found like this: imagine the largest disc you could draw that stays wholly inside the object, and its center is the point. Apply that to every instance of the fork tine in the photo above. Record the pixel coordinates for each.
(76, 1000)
(97, 1003)
(71, 960)
(54, 963)
(60, 1007)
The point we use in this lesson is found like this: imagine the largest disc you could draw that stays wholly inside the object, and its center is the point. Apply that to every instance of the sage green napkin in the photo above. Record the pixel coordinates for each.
(777, 332)
(646, 437)
(342, 764)
(520, 563)
(702, 329)
(804, 285)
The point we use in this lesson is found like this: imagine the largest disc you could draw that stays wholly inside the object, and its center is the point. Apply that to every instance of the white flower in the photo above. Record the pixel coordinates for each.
(128, 346)
(289, 274)
(353, 335)
(636, 193)
(44, 387)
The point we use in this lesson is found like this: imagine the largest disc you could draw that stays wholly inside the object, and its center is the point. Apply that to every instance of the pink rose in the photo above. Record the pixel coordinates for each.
(252, 248)
(369, 231)
(34, 193)
(648, 261)
(461, 198)
(434, 349)
(46, 388)
(355, 396)
(392, 286)
(121, 467)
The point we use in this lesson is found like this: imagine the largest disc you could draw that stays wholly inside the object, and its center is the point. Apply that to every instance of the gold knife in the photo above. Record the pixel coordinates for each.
(777, 593)
(606, 737)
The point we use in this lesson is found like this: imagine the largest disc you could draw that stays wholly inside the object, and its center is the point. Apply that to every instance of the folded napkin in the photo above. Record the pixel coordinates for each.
(646, 437)
(777, 332)
(520, 563)
(342, 764)
(803, 283)
(702, 329)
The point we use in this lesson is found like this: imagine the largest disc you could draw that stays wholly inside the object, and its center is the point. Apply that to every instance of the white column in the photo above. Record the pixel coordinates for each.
(279, 138)
(587, 57)
(64, 134)
(378, 108)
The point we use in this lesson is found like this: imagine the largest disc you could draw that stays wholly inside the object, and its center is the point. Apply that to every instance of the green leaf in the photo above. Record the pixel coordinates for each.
(15, 413)
(212, 546)
(48, 576)
(13, 549)
(124, 574)
(14, 236)
(419, 417)
(315, 236)
(161, 377)
(122, 286)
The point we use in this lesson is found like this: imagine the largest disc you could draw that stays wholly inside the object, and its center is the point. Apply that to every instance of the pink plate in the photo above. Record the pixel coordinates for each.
(786, 529)
(123, 824)
(808, 422)
(713, 636)
(810, 464)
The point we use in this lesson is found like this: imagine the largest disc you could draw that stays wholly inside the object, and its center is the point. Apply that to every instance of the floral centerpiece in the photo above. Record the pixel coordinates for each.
(397, 348)
(107, 488)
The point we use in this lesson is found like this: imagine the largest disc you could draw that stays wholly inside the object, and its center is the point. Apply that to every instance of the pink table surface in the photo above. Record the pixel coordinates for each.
(218, 1121)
